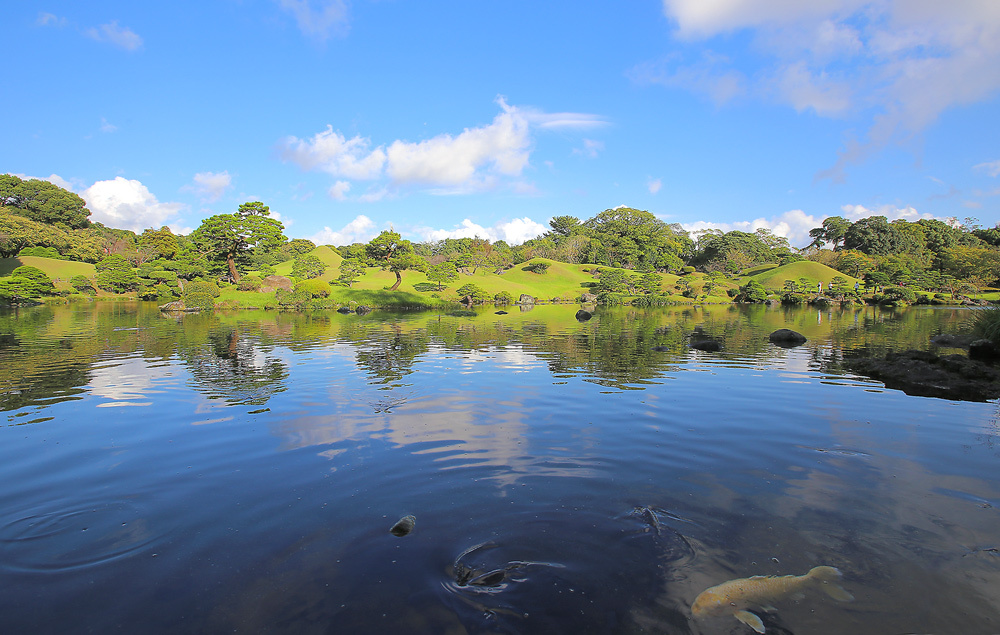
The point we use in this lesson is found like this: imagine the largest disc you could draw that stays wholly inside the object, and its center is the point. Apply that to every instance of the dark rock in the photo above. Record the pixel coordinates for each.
(467, 300)
(500, 313)
(952, 341)
(345, 310)
(403, 526)
(583, 316)
(462, 313)
(661, 349)
(711, 346)
(273, 283)
(787, 338)
(984, 350)
(363, 310)
(8, 339)
(525, 299)
(925, 374)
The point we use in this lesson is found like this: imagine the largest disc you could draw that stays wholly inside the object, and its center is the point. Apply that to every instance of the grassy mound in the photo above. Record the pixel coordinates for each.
(331, 258)
(60, 271)
(813, 272)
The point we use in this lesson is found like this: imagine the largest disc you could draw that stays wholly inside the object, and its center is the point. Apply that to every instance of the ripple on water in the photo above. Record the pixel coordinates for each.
(50, 539)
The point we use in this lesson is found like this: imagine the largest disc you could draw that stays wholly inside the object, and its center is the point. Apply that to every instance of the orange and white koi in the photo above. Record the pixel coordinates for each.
(736, 596)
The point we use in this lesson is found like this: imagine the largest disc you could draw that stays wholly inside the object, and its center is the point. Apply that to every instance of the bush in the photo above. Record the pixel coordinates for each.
(503, 298)
(898, 294)
(202, 286)
(986, 323)
(82, 284)
(315, 288)
(199, 300)
(652, 299)
(537, 267)
(249, 283)
(292, 299)
(42, 252)
(687, 270)
(610, 298)
(477, 293)
(308, 267)
(752, 291)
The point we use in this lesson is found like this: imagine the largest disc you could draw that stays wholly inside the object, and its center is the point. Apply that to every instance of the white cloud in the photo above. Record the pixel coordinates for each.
(127, 204)
(654, 185)
(326, 18)
(338, 191)
(106, 126)
(590, 148)
(900, 64)
(55, 179)
(49, 19)
(210, 186)
(793, 225)
(360, 230)
(330, 152)
(122, 37)
(891, 212)
(992, 168)
(513, 232)
(476, 159)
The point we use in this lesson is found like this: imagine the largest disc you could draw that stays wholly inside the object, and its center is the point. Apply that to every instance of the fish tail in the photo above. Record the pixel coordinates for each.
(828, 577)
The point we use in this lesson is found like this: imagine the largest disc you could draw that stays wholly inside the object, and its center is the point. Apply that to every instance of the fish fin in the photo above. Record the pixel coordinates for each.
(837, 592)
(750, 620)
(828, 578)
(767, 608)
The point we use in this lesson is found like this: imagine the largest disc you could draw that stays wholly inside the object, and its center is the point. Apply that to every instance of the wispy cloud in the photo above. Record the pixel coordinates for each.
(360, 230)
(111, 33)
(992, 168)
(896, 65)
(654, 185)
(50, 19)
(210, 186)
(318, 19)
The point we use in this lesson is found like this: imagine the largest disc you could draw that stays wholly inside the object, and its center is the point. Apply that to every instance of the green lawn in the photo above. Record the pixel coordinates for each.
(60, 271)
(814, 272)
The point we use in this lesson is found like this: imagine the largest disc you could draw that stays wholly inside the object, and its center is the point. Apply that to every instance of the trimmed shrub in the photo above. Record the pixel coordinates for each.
(42, 252)
(202, 286)
(477, 293)
(503, 298)
(315, 288)
(610, 298)
(752, 291)
(652, 299)
(82, 284)
(687, 270)
(199, 300)
(308, 267)
(537, 267)
(249, 283)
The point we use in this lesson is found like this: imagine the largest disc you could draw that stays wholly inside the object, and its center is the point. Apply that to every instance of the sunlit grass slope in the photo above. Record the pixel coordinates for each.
(324, 253)
(813, 272)
(60, 271)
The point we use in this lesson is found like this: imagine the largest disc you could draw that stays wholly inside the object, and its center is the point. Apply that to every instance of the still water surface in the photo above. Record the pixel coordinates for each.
(240, 473)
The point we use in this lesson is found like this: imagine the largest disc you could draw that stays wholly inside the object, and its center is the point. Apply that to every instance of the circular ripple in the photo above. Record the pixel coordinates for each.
(75, 537)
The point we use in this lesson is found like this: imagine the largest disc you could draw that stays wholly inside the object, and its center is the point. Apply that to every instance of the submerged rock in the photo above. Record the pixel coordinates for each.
(363, 310)
(787, 338)
(345, 310)
(925, 374)
(984, 349)
(583, 315)
(952, 341)
(710, 346)
(404, 525)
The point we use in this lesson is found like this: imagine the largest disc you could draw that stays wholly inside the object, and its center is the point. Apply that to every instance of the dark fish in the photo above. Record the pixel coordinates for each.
(404, 525)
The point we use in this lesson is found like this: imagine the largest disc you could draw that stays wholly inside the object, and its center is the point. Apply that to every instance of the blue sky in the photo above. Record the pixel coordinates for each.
(460, 118)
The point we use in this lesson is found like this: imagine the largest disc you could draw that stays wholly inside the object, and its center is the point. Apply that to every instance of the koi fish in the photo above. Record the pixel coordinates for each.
(736, 596)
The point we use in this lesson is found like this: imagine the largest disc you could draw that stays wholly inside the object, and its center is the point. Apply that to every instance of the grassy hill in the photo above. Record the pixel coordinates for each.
(324, 253)
(60, 271)
(813, 272)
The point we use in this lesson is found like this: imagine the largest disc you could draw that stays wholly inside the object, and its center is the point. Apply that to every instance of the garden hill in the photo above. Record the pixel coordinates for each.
(772, 277)
(59, 271)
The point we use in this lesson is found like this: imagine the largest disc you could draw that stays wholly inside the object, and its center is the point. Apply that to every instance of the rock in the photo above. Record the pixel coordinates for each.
(403, 526)
(588, 298)
(983, 350)
(583, 316)
(710, 346)
(500, 313)
(787, 338)
(467, 300)
(177, 306)
(345, 310)
(363, 310)
(525, 299)
(925, 374)
(952, 341)
(273, 283)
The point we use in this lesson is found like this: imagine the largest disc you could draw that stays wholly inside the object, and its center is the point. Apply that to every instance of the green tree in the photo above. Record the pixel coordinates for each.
(44, 202)
(297, 247)
(752, 291)
(634, 239)
(442, 272)
(565, 226)
(230, 237)
(18, 232)
(612, 280)
(115, 274)
(308, 267)
(391, 252)
(832, 231)
(650, 282)
(161, 243)
(350, 270)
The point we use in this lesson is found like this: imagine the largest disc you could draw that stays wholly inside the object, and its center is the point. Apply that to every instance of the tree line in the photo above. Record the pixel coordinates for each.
(40, 218)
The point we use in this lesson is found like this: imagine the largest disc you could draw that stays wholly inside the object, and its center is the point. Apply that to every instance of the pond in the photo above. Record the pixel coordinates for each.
(241, 472)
